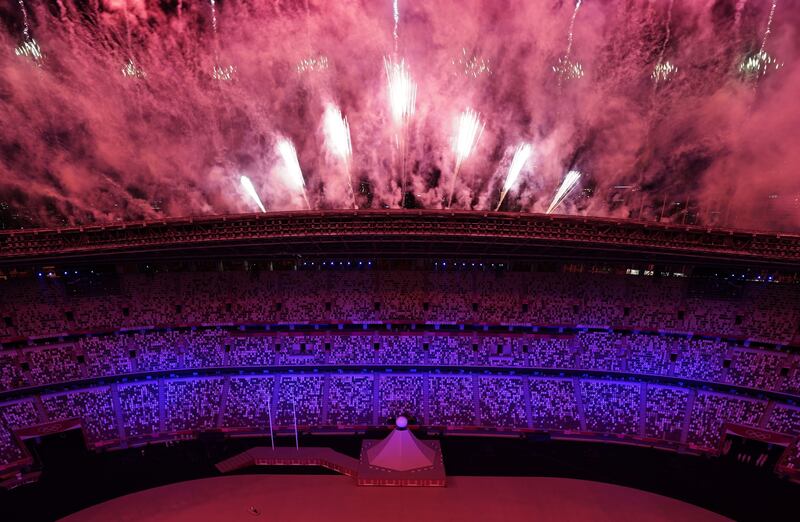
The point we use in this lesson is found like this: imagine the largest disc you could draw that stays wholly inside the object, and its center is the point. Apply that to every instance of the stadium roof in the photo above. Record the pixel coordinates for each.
(400, 233)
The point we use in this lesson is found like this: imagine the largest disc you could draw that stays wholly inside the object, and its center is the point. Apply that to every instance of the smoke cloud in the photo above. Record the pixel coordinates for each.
(145, 109)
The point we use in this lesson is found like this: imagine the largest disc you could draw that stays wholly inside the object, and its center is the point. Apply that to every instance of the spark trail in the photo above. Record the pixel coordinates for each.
(521, 157)
(564, 190)
(250, 190)
(468, 132)
(395, 31)
(663, 70)
(337, 141)
(26, 30)
(402, 102)
(566, 69)
(402, 90)
(294, 174)
(756, 65)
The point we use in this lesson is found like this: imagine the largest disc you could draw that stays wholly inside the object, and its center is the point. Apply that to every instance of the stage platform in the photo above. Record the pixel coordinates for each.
(335, 499)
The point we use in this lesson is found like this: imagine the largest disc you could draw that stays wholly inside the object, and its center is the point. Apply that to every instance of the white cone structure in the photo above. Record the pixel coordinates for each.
(401, 451)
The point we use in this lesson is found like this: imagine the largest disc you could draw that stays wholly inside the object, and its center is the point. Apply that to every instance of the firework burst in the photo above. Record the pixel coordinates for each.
(756, 65)
(663, 71)
(30, 49)
(223, 73)
(130, 70)
(312, 64)
(567, 70)
(471, 65)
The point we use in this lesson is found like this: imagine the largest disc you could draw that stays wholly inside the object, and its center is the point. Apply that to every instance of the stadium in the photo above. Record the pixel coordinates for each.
(500, 325)
(454, 260)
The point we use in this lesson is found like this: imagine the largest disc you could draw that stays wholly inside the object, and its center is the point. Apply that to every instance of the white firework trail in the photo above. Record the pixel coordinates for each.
(564, 190)
(521, 157)
(572, 28)
(337, 141)
(663, 70)
(395, 32)
(250, 190)
(468, 132)
(288, 154)
(29, 48)
(769, 25)
(214, 16)
(26, 30)
(565, 68)
(756, 65)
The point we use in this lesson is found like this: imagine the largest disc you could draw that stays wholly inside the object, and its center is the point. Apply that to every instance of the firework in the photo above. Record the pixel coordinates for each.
(337, 133)
(662, 72)
(468, 132)
(571, 31)
(130, 70)
(402, 90)
(214, 16)
(396, 16)
(664, 69)
(758, 64)
(768, 30)
(312, 64)
(223, 73)
(564, 190)
(567, 70)
(288, 154)
(521, 156)
(755, 65)
(402, 100)
(472, 65)
(337, 140)
(250, 190)
(30, 49)
(470, 128)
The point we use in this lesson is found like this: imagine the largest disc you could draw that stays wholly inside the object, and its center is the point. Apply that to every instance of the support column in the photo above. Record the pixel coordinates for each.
(276, 390)
(762, 423)
(426, 400)
(476, 398)
(118, 412)
(226, 385)
(688, 416)
(162, 417)
(579, 402)
(642, 409)
(326, 387)
(526, 392)
(376, 399)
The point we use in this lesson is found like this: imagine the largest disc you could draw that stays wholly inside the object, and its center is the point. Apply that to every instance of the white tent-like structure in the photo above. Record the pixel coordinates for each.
(401, 451)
